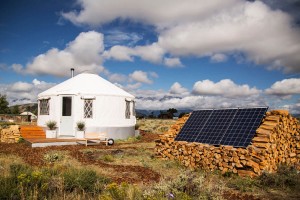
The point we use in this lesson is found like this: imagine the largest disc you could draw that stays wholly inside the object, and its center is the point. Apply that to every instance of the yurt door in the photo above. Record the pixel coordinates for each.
(66, 120)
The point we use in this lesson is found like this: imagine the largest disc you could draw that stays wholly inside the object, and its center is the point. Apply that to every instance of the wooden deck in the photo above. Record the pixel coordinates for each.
(35, 136)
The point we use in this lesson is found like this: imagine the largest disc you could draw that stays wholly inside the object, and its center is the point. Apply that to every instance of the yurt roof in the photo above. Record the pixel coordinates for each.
(86, 84)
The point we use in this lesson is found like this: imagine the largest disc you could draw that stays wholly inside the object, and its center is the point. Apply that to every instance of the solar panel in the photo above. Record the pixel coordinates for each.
(234, 127)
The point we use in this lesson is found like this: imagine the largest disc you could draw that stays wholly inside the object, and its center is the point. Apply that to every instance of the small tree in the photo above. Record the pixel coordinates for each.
(172, 111)
(15, 110)
(4, 109)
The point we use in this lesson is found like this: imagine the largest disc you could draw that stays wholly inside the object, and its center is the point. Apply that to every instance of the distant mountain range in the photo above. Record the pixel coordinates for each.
(32, 107)
(155, 113)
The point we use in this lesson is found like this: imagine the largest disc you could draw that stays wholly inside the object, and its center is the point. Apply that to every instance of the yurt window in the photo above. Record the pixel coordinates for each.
(44, 107)
(127, 110)
(88, 108)
(133, 108)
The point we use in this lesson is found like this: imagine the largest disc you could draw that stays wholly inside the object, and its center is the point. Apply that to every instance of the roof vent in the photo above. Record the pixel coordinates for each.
(72, 72)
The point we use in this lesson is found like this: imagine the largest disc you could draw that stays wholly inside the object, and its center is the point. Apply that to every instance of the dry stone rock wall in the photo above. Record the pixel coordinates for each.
(10, 134)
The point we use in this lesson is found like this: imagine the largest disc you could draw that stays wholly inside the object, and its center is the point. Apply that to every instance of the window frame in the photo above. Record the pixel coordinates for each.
(127, 109)
(88, 104)
(44, 106)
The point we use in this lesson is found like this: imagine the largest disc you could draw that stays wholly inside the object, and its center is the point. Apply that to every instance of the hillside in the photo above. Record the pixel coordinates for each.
(29, 107)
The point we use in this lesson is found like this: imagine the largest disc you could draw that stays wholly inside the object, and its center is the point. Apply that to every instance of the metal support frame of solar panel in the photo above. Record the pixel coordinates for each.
(235, 126)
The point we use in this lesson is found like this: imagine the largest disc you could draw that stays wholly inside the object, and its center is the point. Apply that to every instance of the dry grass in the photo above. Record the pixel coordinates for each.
(158, 126)
(6, 161)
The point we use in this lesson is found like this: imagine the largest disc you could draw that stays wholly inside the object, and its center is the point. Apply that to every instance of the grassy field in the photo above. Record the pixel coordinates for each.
(127, 170)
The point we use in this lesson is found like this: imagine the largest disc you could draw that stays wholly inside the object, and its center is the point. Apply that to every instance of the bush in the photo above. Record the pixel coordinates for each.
(53, 156)
(51, 124)
(83, 179)
(80, 125)
(244, 184)
(188, 185)
(285, 177)
(121, 192)
(108, 158)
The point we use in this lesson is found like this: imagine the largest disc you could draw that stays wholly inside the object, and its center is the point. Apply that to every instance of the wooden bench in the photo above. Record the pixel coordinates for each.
(99, 137)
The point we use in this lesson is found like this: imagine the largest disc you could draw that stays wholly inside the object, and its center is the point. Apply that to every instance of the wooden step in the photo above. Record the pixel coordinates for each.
(31, 131)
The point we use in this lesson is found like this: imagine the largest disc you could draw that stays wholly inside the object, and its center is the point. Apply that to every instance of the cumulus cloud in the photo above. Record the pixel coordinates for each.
(153, 12)
(116, 37)
(293, 108)
(246, 27)
(196, 102)
(140, 76)
(177, 88)
(152, 53)
(226, 88)
(117, 78)
(172, 62)
(285, 88)
(219, 57)
(24, 92)
(197, 28)
(21, 87)
(84, 54)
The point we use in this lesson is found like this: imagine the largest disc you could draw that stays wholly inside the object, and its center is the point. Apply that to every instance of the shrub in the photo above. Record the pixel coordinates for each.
(121, 192)
(285, 177)
(53, 156)
(244, 184)
(83, 179)
(108, 158)
(80, 125)
(51, 124)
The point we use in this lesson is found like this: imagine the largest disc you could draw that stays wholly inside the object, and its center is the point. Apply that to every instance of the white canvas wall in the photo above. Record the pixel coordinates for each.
(108, 115)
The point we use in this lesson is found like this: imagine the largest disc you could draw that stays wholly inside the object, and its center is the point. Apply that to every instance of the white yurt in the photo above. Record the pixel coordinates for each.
(103, 107)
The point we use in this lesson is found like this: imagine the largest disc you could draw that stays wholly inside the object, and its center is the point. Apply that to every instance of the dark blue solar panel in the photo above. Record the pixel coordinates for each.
(234, 127)
(193, 125)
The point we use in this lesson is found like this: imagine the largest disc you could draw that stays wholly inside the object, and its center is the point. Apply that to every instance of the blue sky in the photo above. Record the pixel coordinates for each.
(182, 54)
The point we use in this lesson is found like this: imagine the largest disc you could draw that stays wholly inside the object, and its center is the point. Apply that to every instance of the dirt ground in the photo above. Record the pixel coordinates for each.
(126, 173)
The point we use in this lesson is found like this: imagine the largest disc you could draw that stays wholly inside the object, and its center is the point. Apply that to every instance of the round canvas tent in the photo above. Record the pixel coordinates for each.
(103, 107)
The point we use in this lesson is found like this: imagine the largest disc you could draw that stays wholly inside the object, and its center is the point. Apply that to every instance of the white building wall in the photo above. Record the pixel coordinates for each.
(108, 115)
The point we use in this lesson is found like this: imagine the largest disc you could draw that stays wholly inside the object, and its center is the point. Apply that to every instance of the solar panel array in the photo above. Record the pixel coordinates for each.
(235, 127)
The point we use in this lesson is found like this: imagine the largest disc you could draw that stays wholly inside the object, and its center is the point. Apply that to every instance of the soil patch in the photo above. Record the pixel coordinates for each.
(126, 173)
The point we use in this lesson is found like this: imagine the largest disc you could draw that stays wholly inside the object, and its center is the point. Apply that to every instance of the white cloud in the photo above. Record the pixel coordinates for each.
(24, 92)
(226, 88)
(196, 102)
(153, 74)
(219, 57)
(172, 62)
(285, 88)
(140, 76)
(176, 88)
(83, 54)
(198, 28)
(20, 87)
(161, 13)
(293, 108)
(152, 53)
(118, 78)
(263, 35)
(116, 37)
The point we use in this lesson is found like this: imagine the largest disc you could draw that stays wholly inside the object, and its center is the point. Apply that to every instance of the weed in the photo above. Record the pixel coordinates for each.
(21, 140)
(285, 177)
(120, 192)
(83, 179)
(243, 184)
(108, 158)
(54, 156)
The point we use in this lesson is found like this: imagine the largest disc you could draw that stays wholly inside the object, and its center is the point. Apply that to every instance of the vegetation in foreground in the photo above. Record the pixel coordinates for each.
(127, 170)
